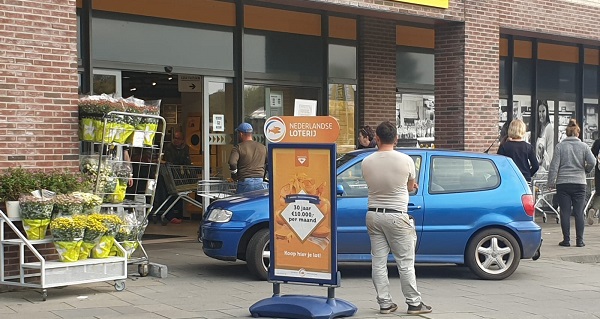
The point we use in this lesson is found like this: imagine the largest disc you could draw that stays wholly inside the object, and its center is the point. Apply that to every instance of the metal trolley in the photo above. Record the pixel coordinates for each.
(543, 197)
(144, 149)
(179, 180)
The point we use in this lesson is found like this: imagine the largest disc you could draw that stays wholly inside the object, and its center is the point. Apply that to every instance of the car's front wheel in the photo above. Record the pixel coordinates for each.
(258, 254)
(493, 254)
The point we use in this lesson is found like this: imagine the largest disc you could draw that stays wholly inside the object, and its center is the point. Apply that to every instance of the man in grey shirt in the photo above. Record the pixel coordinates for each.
(390, 176)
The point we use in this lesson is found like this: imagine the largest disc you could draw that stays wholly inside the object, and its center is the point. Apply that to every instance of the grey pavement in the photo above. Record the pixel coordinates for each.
(563, 283)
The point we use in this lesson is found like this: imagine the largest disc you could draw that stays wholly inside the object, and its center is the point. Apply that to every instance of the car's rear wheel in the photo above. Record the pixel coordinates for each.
(258, 254)
(493, 254)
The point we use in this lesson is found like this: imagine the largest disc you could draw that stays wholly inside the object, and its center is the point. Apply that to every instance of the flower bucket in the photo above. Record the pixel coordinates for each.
(68, 251)
(87, 129)
(12, 209)
(35, 229)
(67, 234)
(102, 249)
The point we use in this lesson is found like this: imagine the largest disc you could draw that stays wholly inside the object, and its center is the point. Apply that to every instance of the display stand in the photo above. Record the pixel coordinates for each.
(144, 146)
(44, 274)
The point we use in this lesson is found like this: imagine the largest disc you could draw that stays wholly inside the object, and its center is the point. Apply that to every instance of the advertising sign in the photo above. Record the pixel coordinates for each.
(303, 213)
(302, 129)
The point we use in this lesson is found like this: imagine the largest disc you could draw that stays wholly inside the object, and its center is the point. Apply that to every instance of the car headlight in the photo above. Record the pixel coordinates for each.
(218, 215)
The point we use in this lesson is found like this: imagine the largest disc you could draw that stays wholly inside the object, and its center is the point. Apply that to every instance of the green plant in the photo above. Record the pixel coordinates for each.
(65, 182)
(15, 181)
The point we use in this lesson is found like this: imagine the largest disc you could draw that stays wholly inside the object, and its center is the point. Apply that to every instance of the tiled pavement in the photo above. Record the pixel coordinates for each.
(556, 286)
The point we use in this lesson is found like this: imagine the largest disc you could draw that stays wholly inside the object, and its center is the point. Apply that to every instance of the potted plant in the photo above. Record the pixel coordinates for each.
(15, 181)
(66, 205)
(35, 214)
(67, 234)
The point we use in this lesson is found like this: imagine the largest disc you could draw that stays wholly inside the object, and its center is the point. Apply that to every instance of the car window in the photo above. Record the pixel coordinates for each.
(354, 184)
(462, 174)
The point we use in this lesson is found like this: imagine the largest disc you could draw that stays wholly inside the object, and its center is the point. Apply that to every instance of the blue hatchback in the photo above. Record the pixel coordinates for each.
(470, 208)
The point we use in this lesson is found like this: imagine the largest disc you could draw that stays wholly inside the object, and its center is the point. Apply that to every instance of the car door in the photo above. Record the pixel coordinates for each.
(352, 208)
(458, 190)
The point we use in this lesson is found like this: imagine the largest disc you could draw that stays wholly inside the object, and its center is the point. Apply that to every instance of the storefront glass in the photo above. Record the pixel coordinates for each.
(341, 106)
(264, 101)
(415, 105)
(590, 103)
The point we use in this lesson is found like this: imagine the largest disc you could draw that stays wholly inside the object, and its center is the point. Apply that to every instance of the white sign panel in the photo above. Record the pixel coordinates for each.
(305, 107)
(218, 122)
(189, 83)
(276, 99)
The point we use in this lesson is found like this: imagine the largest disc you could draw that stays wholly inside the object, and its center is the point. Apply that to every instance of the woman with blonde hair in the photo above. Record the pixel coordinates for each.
(571, 161)
(521, 152)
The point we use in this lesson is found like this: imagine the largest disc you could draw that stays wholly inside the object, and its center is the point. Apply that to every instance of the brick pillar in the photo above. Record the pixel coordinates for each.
(38, 84)
(377, 71)
(467, 79)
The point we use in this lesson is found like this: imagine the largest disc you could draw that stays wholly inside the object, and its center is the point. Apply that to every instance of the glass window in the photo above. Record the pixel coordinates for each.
(462, 174)
(523, 76)
(121, 38)
(264, 101)
(342, 61)
(415, 118)
(590, 81)
(556, 80)
(341, 106)
(355, 185)
(503, 78)
(414, 67)
(283, 55)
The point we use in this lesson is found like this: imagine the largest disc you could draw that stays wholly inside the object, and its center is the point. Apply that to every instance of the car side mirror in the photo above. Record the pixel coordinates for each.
(339, 190)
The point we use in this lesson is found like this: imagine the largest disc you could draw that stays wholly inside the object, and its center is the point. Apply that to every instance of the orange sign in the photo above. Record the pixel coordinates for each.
(302, 196)
(302, 129)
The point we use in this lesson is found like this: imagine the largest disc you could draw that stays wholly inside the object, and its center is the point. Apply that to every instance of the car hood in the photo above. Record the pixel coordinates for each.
(238, 200)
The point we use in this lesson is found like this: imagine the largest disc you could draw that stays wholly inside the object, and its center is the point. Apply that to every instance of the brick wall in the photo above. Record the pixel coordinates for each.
(377, 71)
(38, 84)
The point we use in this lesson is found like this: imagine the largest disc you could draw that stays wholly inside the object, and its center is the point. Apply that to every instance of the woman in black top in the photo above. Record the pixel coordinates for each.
(521, 152)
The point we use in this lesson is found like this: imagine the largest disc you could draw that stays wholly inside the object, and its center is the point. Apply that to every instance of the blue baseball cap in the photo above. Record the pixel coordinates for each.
(245, 128)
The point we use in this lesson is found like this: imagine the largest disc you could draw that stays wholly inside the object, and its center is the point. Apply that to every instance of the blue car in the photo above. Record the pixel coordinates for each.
(470, 208)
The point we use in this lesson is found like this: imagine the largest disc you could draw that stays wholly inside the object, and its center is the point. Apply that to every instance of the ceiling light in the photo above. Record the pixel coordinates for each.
(133, 89)
(170, 78)
(153, 83)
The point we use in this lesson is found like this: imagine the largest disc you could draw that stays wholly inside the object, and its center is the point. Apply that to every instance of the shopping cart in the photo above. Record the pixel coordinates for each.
(215, 188)
(542, 196)
(179, 180)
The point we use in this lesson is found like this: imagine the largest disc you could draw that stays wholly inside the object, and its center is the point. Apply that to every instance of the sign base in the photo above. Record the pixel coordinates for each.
(301, 307)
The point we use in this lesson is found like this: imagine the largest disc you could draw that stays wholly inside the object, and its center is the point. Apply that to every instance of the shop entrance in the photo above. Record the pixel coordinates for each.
(199, 107)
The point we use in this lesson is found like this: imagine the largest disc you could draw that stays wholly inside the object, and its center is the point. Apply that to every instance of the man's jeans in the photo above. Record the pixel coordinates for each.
(250, 184)
(571, 198)
(393, 231)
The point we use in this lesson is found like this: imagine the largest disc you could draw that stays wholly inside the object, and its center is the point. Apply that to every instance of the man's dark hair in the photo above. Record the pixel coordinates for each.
(387, 132)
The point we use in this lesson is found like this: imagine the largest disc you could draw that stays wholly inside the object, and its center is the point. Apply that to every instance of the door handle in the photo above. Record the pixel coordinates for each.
(413, 206)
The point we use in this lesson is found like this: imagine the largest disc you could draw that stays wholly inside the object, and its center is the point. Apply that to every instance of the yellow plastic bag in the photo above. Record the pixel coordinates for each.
(129, 246)
(68, 251)
(102, 249)
(35, 228)
(121, 132)
(86, 250)
(87, 129)
(120, 191)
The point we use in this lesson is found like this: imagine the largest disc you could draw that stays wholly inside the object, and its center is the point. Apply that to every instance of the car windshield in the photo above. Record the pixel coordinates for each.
(344, 159)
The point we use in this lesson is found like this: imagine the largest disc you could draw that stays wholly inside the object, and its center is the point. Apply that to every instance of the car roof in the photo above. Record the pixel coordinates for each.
(433, 151)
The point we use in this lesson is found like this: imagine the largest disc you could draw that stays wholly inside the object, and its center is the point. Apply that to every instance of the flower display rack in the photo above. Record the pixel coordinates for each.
(103, 155)
(37, 272)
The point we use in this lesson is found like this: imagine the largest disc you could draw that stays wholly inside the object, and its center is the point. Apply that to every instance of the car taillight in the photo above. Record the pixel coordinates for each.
(528, 205)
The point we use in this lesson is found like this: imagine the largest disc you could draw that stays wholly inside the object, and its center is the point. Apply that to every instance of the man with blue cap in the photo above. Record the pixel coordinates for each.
(248, 161)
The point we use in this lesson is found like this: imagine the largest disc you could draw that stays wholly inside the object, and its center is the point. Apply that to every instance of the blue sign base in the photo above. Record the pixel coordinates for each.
(301, 307)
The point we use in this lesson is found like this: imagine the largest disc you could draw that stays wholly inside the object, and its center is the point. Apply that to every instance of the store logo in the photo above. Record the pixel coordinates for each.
(275, 129)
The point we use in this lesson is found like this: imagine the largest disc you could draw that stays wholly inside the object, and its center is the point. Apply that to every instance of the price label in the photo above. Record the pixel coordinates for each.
(138, 139)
